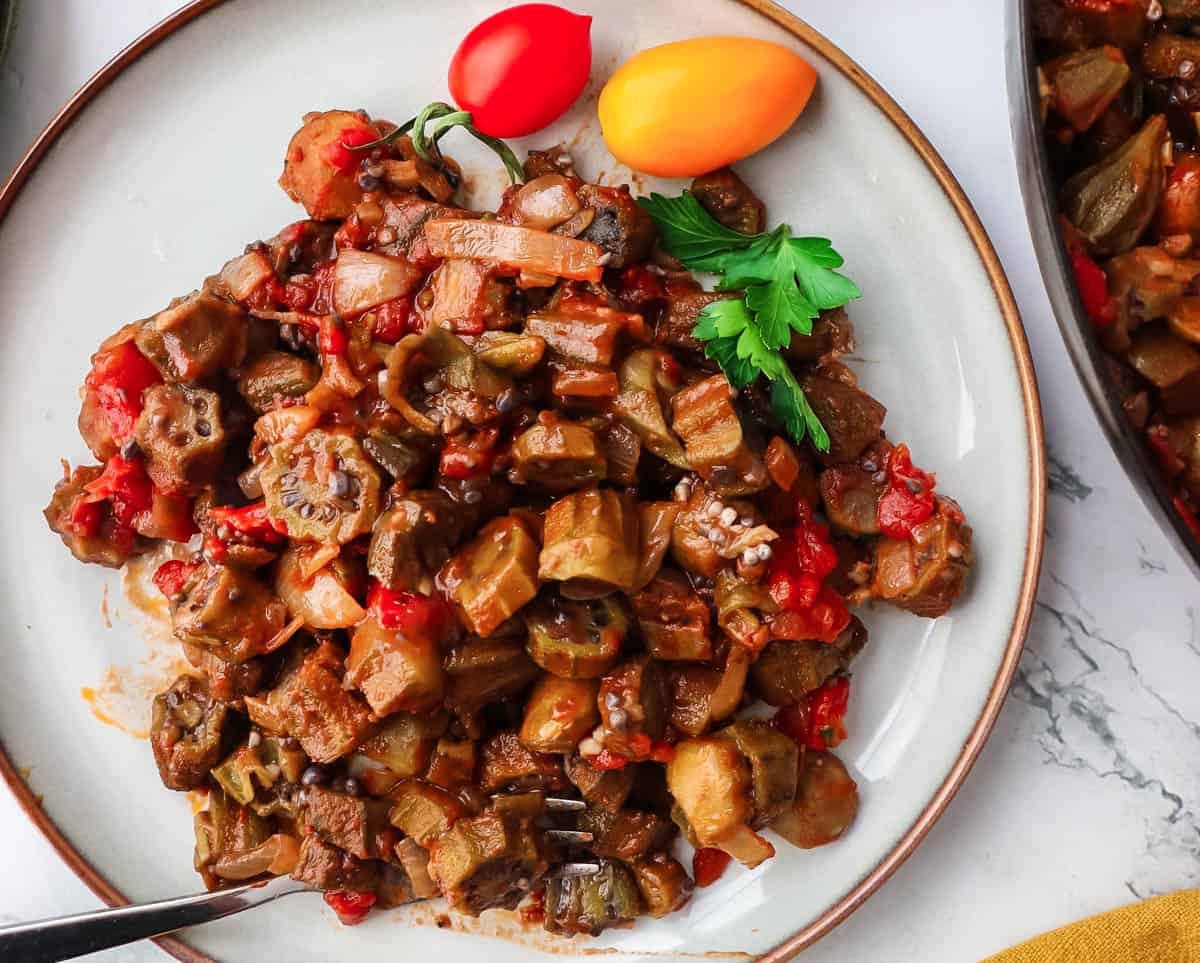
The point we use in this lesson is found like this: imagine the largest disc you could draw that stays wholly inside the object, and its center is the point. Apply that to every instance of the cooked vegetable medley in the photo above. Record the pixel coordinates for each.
(455, 515)
(1120, 84)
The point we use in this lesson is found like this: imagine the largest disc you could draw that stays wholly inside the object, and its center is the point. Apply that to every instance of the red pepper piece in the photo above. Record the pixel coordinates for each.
(1093, 290)
(393, 320)
(250, 520)
(820, 721)
(118, 378)
(662, 752)
(351, 908)
(171, 576)
(470, 457)
(337, 154)
(125, 486)
(332, 335)
(909, 499)
(413, 616)
(708, 865)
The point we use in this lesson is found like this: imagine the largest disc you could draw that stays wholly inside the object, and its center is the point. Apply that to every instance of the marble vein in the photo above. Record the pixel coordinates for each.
(1062, 480)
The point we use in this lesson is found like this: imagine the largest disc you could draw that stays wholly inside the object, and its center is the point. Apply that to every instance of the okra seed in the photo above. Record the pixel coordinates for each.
(254, 739)
(314, 775)
(729, 515)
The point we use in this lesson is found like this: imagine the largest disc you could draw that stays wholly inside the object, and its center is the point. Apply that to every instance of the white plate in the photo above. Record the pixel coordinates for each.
(170, 169)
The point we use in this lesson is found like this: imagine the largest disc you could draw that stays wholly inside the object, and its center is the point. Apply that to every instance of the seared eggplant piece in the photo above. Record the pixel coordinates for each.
(691, 691)
(486, 861)
(664, 884)
(589, 540)
(607, 789)
(453, 763)
(730, 201)
(773, 759)
(326, 867)
(1084, 83)
(508, 764)
(494, 575)
(413, 539)
(186, 732)
(343, 820)
(927, 573)
(486, 670)
(674, 620)
(405, 742)
(559, 713)
(194, 338)
(788, 670)
(576, 639)
(680, 314)
(826, 803)
(626, 834)
(590, 904)
(1172, 365)
(852, 417)
(228, 681)
(620, 226)
(228, 610)
(639, 407)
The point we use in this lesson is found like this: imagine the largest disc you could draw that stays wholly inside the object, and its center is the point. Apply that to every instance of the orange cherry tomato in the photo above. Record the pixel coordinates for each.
(689, 107)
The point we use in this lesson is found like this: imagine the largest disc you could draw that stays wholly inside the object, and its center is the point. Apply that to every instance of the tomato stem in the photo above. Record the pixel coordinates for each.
(445, 118)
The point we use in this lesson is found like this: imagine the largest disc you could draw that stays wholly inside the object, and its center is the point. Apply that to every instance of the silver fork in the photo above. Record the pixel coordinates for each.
(65, 937)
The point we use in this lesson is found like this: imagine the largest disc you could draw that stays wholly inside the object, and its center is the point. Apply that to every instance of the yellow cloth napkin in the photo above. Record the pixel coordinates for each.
(1165, 929)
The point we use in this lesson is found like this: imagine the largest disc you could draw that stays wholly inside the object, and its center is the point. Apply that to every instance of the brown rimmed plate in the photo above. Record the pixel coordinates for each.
(163, 166)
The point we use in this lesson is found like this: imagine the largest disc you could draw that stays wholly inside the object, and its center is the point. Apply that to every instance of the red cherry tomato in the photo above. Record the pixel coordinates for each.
(522, 68)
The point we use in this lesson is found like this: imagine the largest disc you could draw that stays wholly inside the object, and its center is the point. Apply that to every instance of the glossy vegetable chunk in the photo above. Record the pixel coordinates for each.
(1113, 201)
(326, 867)
(393, 671)
(620, 226)
(664, 884)
(478, 864)
(181, 436)
(558, 455)
(405, 742)
(342, 819)
(559, 713)
(703, 416)
(1083, 84)
(590, 904)
(485, 670)
(1172, 366)
(852, 417)
(730, 201)
(413, 539)
(575, 639)
(788, 670)
(589, 540)
(276, 376)
(321, 488)
(494, 575)
(186, 732)
(826, 803)
(673, 619)
(423, 812)
(633, 707)
(607, 789)
(318, 170)
(773, 759)
(229, 611)
(506, 763)
(638, 405)
(927, 573)
(194, 338)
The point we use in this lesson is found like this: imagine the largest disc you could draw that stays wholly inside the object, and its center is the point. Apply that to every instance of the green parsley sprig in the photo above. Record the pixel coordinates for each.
(786, 282)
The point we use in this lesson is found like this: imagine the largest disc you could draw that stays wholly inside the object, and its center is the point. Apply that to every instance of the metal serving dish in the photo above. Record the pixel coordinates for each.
(1041, 209)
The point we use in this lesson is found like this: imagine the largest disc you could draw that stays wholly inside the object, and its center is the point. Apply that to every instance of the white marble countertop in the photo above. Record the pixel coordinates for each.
(1088, 794)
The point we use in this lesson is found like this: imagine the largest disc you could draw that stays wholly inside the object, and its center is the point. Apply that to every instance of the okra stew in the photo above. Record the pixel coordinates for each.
(1120, 91)
(454, 516)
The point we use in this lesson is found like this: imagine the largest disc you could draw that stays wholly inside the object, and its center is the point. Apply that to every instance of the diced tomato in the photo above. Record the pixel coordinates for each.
(117, 379)
(171, 576)
(793, 590)
(469, 456)
(414, 616)
(639, 286)
(351, 908)
(708, 865)
(662, 752)
(332, 337)
(803, 559)
(353, 233)
(293, 233)
(827, 714)
(322, 285)
(250, 520)
(605, 760)
(1093, 290)
(85, 518)
(909, 499)
(1158, 437)
(337, 154)
(292, 295)
(820, 721)
(214, 549)
(125, 485)
(393, 320)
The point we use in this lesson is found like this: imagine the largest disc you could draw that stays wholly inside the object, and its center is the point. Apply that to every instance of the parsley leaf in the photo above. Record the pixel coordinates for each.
(688, 231)
(786, 282)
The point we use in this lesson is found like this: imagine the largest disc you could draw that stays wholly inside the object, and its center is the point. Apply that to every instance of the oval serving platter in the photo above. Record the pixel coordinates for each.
(163, 166)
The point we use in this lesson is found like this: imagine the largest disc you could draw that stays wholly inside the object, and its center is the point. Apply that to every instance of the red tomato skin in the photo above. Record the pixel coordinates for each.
(708, 865)
(521, 68)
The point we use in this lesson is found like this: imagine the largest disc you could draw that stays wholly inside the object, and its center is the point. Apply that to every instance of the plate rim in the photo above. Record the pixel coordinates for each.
(30, 803)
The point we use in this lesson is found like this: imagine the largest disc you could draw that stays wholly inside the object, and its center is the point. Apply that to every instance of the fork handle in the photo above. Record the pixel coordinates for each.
(65, 937)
